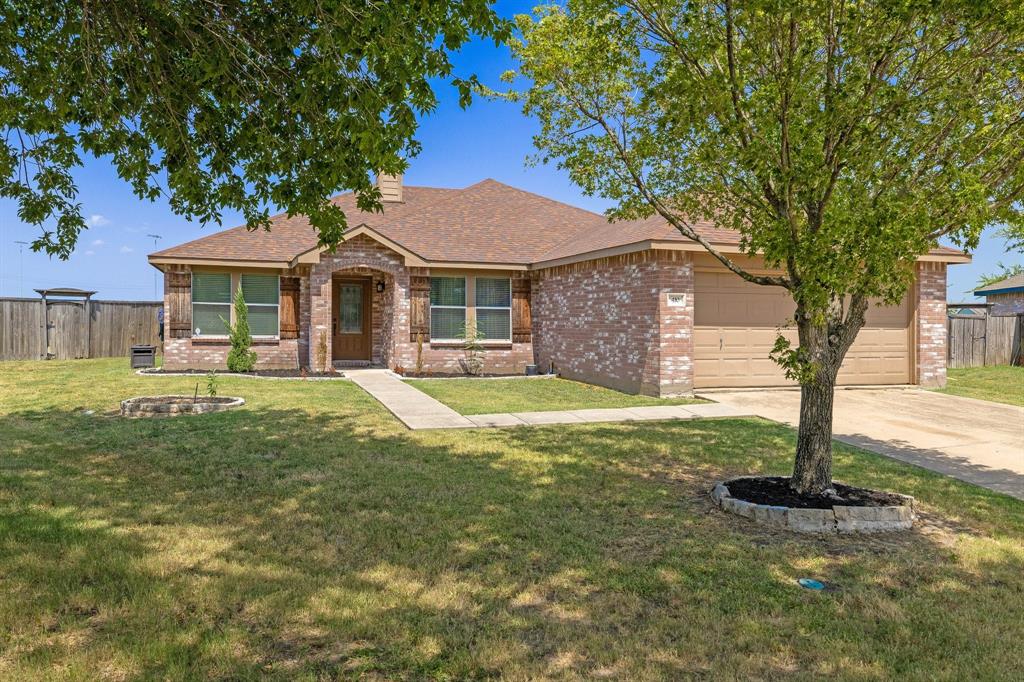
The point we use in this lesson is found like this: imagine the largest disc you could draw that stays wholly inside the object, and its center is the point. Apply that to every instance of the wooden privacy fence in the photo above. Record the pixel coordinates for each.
(976, 341)
(78, 329)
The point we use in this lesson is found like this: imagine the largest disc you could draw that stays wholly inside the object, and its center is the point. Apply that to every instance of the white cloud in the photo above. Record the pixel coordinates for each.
(90, 253)
(97, 220)
(98, 242)
(126, 249)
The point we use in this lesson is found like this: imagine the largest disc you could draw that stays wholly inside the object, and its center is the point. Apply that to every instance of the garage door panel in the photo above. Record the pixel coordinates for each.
(736, 324)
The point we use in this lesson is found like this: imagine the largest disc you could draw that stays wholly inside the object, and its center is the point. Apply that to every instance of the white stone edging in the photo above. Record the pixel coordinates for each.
(838, 519)
(139, 407)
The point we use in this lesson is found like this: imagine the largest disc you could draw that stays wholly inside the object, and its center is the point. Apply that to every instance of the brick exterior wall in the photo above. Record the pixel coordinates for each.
(608, 322)
(445, 359)
(391, 343)
(931, 324)
(210, 354)
(675, 322)
(1011, 303)
(190, 353)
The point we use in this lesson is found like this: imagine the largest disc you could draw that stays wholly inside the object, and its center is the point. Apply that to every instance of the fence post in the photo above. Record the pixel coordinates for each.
(984, 345)
(1017, 349)
(46, 328)
(88, 327)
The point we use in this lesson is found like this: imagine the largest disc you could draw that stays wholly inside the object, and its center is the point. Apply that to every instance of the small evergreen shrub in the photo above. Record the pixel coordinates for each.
(241, 357)
(473, 349)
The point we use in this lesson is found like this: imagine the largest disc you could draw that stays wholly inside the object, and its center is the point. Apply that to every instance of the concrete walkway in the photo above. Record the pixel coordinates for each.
(977, 441)
(414, 408)
(417, 410)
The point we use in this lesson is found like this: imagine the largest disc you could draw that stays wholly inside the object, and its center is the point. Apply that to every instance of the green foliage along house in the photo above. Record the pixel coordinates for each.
(629, 305)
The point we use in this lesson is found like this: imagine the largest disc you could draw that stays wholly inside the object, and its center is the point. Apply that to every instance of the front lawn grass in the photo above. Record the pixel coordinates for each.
(488, 396)
(308, 535)
(1000, 383)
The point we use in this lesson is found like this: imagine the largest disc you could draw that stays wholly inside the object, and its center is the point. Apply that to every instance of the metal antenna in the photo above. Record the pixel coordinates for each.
(21, 266)
(156, 280)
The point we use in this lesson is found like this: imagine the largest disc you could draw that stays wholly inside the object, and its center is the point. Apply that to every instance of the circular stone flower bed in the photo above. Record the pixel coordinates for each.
(770, 501)
(170, 405)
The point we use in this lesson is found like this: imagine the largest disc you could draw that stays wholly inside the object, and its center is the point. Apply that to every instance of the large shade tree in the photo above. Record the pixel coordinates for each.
(841, 138)
(219, 105)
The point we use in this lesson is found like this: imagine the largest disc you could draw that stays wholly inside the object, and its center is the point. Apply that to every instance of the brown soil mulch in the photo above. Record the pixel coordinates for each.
(279, 373)
(458, 375)
(775, 490)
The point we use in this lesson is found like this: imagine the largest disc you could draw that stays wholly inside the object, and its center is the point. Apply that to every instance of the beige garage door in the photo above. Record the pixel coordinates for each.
(735, 325)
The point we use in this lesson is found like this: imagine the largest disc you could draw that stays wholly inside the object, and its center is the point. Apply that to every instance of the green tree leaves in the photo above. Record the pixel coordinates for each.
(220, 105)
(841, 139)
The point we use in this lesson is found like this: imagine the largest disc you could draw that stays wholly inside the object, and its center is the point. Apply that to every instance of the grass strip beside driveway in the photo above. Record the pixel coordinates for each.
(1000, 383)
(489, 396)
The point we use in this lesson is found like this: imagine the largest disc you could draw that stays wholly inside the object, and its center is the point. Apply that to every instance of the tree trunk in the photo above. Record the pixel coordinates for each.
(824, 345)
(812, 472)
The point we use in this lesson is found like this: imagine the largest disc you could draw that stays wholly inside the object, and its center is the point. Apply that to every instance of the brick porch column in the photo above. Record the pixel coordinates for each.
(931, 324)
(319, 311)
(305, 344)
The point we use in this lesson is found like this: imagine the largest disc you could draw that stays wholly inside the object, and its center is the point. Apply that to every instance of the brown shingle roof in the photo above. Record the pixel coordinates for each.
(289, 237)
(488, 222)
(1014, 282)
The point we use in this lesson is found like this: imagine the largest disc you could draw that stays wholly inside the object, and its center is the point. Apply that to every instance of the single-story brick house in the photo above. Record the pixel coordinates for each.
(630, 305)
(1005, 297)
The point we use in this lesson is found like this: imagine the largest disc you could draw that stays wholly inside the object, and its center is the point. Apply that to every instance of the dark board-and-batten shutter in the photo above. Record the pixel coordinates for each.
(178, 315)
(419, 313)
(290, 307)
(521, 323)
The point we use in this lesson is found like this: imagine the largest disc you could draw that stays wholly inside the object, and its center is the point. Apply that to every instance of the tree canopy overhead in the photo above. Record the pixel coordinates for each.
(841, 138)
(220, 105)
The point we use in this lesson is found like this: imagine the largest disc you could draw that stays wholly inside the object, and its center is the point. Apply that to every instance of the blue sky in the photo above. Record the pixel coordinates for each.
(460, 147)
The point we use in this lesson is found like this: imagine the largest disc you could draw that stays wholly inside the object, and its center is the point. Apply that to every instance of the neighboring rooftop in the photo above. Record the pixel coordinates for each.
(486, 223)
(64, 291)
(1006, 286)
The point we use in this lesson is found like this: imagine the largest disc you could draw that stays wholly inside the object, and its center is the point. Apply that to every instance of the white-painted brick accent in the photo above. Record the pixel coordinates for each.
(931, 324)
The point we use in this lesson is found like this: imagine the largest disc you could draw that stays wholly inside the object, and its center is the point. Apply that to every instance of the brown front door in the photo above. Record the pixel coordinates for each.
(351, 319)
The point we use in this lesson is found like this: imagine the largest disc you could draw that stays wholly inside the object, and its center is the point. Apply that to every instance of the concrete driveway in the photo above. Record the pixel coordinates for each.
(973, 440)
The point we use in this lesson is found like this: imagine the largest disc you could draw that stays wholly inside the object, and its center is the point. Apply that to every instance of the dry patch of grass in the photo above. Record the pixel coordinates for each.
(308, 535)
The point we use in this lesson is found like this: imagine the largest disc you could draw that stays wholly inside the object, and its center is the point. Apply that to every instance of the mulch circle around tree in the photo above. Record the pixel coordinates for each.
(268, 373)
(775, 490)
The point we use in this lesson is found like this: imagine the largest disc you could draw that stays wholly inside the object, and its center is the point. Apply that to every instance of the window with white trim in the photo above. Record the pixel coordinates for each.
(493, 305)
(262, 294)
(447, 308)
(211, 303)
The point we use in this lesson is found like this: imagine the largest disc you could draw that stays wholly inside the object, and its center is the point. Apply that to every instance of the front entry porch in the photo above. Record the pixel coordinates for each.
(351, 328)
(356, 299)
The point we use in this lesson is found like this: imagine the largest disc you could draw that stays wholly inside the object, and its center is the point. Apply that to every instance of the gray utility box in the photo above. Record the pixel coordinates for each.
(143, 356)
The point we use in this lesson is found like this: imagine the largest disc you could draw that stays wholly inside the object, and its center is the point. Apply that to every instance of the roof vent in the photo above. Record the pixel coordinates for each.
(390, 187)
